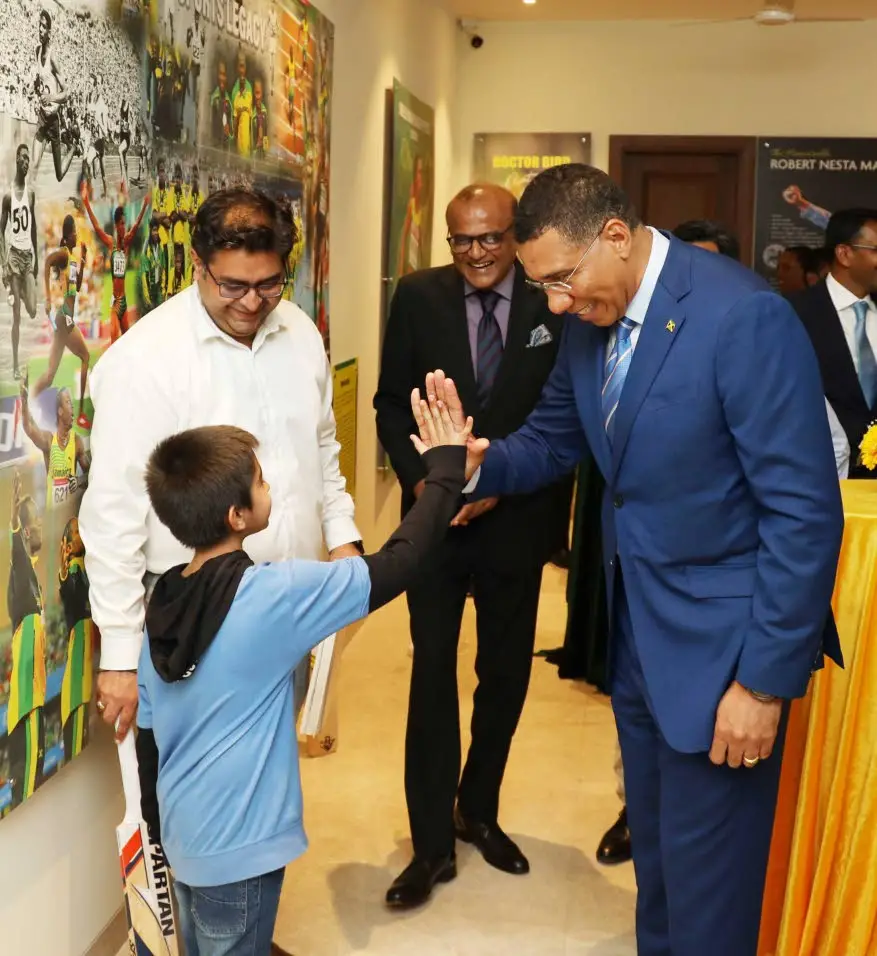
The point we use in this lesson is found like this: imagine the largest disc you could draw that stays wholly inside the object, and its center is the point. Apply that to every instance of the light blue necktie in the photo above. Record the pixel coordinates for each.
(865, 354)
(617, 365)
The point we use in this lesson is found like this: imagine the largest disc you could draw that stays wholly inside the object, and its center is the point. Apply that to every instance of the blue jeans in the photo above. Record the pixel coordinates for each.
(236, 919)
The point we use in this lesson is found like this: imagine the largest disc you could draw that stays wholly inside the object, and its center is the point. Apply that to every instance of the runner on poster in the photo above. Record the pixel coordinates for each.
(409, 239)
(117, 118)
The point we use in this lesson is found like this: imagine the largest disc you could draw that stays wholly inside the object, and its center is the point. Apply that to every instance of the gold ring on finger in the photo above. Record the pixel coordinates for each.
(751, 761)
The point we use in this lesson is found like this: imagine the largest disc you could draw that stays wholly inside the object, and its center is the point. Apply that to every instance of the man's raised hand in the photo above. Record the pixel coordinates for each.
(442, 398)
(435, 425)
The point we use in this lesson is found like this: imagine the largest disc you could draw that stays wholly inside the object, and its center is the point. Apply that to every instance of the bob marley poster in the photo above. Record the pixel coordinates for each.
(117, 119)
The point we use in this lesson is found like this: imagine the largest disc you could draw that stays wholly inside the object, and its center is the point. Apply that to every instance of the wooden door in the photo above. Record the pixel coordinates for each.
(672, 179)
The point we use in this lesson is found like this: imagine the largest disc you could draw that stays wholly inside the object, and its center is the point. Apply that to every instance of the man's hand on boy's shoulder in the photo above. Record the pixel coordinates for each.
(117, 699)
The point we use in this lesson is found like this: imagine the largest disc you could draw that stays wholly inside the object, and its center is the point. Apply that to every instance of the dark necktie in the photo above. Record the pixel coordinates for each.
(489, 347)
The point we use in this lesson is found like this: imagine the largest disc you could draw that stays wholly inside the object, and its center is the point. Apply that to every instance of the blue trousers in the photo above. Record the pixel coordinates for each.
(236, 919)
(700, 833)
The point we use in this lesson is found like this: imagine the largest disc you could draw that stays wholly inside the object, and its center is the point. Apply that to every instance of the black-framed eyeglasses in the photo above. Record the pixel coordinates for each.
(563, 285)
(489, 241)
(269, 289)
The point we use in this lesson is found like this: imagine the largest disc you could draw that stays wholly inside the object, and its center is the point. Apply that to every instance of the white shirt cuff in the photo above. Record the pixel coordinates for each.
(119, 651)
(473, 482)
(338, 531)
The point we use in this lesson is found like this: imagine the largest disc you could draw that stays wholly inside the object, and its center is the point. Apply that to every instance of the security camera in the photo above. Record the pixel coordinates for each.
(468, 28)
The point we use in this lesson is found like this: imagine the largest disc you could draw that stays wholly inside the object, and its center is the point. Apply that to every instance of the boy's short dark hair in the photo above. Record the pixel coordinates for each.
(195, 476)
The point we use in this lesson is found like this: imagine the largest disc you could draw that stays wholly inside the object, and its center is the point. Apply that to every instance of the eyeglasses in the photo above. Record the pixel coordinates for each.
(489, 241)
(270, 289)
(564, 286)
(862, 245)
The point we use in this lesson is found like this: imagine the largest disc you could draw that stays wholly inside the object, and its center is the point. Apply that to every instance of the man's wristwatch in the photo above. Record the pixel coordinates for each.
(761, 698)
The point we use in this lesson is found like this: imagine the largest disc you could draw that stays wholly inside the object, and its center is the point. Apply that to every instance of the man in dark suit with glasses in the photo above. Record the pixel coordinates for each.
(478, 320)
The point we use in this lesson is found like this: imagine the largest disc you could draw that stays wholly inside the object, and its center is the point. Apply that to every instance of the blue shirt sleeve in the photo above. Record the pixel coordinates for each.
(312, 599)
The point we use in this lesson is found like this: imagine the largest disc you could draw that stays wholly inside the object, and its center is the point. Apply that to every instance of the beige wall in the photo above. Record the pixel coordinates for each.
(655, 78)
(415, 41)
(59, 872)
(59, 879)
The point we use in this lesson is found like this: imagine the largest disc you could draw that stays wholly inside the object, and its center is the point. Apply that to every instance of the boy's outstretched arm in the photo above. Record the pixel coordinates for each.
(394, 567)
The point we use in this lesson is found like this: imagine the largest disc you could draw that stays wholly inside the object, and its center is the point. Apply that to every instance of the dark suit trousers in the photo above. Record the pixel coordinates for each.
(506, 604)
(700, 833)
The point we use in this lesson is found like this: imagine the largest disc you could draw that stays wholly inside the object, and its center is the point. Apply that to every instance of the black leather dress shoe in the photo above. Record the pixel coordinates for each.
(414, 885)
(498, 849)
(615, 846)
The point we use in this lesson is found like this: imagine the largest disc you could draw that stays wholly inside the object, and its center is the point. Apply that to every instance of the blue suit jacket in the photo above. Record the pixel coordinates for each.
(722, 499)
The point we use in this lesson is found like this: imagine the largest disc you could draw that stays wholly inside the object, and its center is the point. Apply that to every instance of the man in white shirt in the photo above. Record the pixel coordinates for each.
(227, 350)
(840, 317)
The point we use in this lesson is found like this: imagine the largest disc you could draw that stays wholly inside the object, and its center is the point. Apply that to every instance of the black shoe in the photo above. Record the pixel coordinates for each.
(498, 849)
(615, 846)
(414, 885)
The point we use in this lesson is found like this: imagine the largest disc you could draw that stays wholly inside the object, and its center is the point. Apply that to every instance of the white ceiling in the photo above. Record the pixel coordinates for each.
(480, 10)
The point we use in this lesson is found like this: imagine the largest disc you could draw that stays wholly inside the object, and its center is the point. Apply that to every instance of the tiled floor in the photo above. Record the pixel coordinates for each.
(558, 798)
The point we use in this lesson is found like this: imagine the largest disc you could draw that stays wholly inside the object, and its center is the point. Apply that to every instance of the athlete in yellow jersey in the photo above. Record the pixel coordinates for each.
(62, 450)
(160, 202)
(177, 210)
(81, 641)
(27, 686)
(242, 105)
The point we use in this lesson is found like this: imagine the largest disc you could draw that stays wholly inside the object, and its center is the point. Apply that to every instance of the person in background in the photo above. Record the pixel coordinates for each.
(221, 123)
(615, 847)
(19, 259)
(229, 349)
(709, 235)
(259, 122)
(840, 317)
(699, 393)
(822, 260)
(153, 269)
(797, 269)
(25, 723)
(478, 320)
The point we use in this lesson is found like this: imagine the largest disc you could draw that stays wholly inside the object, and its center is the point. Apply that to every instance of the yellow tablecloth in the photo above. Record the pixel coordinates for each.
(821, 893)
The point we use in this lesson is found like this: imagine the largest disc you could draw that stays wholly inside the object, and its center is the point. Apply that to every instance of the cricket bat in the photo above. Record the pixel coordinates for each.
(145, 877)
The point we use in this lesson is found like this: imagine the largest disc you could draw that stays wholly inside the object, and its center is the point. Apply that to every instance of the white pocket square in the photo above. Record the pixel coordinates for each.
(539, 336)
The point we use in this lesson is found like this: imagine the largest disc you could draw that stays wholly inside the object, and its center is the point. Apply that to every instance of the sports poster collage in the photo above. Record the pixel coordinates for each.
(117, 119)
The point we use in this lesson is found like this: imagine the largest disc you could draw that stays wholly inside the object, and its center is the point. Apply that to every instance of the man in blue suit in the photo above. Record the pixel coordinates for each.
(699, 395)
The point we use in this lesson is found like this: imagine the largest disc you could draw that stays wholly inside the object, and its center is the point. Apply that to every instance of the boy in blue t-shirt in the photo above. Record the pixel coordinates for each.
(216, 745)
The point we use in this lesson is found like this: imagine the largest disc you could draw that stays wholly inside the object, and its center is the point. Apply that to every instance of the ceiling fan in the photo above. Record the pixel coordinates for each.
(778, 13)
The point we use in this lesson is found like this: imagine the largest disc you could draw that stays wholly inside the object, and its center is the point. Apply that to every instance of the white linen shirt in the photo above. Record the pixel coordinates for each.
(175, 369)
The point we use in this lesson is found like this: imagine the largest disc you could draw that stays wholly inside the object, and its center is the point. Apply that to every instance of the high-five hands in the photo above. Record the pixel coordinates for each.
(435, 424)
(443, 402)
